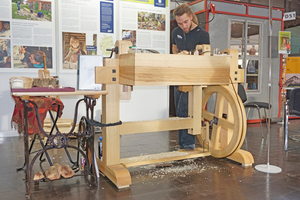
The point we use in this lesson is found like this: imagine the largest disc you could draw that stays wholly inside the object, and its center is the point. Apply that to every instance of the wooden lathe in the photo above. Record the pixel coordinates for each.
(202, 76)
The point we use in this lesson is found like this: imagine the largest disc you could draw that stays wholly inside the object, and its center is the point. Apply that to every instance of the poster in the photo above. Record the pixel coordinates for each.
(292, 70)
(106, 17)
(74, 44)
(284, 42)
(27, 34)
(79, 30)
(145, 25)
(106, 41)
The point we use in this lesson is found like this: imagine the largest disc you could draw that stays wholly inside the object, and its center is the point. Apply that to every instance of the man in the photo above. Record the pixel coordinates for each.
(18, 4)
(184, 39)
(252, 51)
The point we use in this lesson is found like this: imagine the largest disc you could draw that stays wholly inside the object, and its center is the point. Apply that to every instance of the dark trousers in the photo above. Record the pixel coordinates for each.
(181, 109)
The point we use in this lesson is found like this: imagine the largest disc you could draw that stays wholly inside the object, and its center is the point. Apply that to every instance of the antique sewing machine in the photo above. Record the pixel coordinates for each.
(201, 75)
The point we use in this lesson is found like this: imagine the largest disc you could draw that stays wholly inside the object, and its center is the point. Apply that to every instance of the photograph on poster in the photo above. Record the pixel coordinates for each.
(37, 10)
(31, 56)
(129, 35)
(292, 78)
(284, 42)
(74, 44)
(106, 42)
(151, 21)
(92, 49)
(5, 53)
(4, 29)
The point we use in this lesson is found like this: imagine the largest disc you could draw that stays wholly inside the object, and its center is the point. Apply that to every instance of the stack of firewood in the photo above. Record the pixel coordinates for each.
(54, 172)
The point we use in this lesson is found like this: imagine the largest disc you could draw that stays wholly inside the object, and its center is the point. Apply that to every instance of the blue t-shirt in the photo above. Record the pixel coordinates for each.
(189, 41)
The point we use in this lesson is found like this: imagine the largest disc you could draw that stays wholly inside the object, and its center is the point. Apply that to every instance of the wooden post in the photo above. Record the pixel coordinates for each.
(110, 164)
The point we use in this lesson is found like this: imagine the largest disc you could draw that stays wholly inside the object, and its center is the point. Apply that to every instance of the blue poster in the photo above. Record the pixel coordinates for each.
(91, 48)
(106, 17)
(160, 3)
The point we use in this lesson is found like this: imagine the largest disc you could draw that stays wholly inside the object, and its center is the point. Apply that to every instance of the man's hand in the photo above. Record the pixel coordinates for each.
(184, 52)
(174, 49)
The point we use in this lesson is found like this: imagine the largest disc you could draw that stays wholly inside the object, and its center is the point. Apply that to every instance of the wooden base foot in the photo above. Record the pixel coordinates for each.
(118, 174)
(243, 157)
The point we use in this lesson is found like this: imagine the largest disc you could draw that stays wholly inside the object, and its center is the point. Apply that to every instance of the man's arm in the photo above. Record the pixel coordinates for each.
(174, 49)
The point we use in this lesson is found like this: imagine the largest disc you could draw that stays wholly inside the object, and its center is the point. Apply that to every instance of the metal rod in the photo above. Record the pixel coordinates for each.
(285, 124)
(270, 73)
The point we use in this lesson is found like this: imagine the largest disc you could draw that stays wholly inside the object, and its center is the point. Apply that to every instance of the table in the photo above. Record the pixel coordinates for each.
(59, 140)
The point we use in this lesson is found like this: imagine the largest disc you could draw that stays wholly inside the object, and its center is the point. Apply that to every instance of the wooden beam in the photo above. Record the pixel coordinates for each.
(163, 157)
(197, 109)
(174, 123)
(107, 75)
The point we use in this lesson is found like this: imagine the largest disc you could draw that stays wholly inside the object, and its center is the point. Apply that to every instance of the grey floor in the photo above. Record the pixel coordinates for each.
(201, 178)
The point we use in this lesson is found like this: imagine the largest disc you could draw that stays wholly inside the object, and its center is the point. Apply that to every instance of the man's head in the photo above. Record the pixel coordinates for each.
(185, 17)
(36, 57)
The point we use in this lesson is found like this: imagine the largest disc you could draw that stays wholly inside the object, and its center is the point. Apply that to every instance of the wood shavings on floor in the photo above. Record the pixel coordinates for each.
(181, 168)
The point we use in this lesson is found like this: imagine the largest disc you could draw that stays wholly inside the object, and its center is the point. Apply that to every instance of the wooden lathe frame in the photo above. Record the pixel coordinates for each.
(160, 69)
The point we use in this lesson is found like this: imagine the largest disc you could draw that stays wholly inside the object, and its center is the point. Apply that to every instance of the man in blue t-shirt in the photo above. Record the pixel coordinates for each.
(185, 38)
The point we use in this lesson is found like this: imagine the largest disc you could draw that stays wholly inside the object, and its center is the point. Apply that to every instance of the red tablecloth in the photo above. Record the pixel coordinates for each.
(44, 104)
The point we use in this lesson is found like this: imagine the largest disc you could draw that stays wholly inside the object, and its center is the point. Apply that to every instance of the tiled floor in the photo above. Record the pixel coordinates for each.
(201, 178)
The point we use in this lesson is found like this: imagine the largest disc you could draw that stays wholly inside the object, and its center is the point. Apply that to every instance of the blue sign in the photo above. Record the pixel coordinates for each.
(106, 17)
(91, 48)
(160, 3)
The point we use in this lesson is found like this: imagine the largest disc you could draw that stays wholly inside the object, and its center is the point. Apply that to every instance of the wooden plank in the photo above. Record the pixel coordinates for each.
(163, 157)
(107, 75)
(110, 114)
(174, 123)
(197, 109)
(171, 69)
(236, 74)
(101, 73)
(190, 106)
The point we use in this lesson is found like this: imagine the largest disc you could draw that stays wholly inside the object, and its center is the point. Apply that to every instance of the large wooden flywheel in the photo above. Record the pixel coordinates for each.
(227, 120)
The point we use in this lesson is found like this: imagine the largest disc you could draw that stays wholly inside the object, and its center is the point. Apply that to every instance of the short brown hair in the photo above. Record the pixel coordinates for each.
(184, 8)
